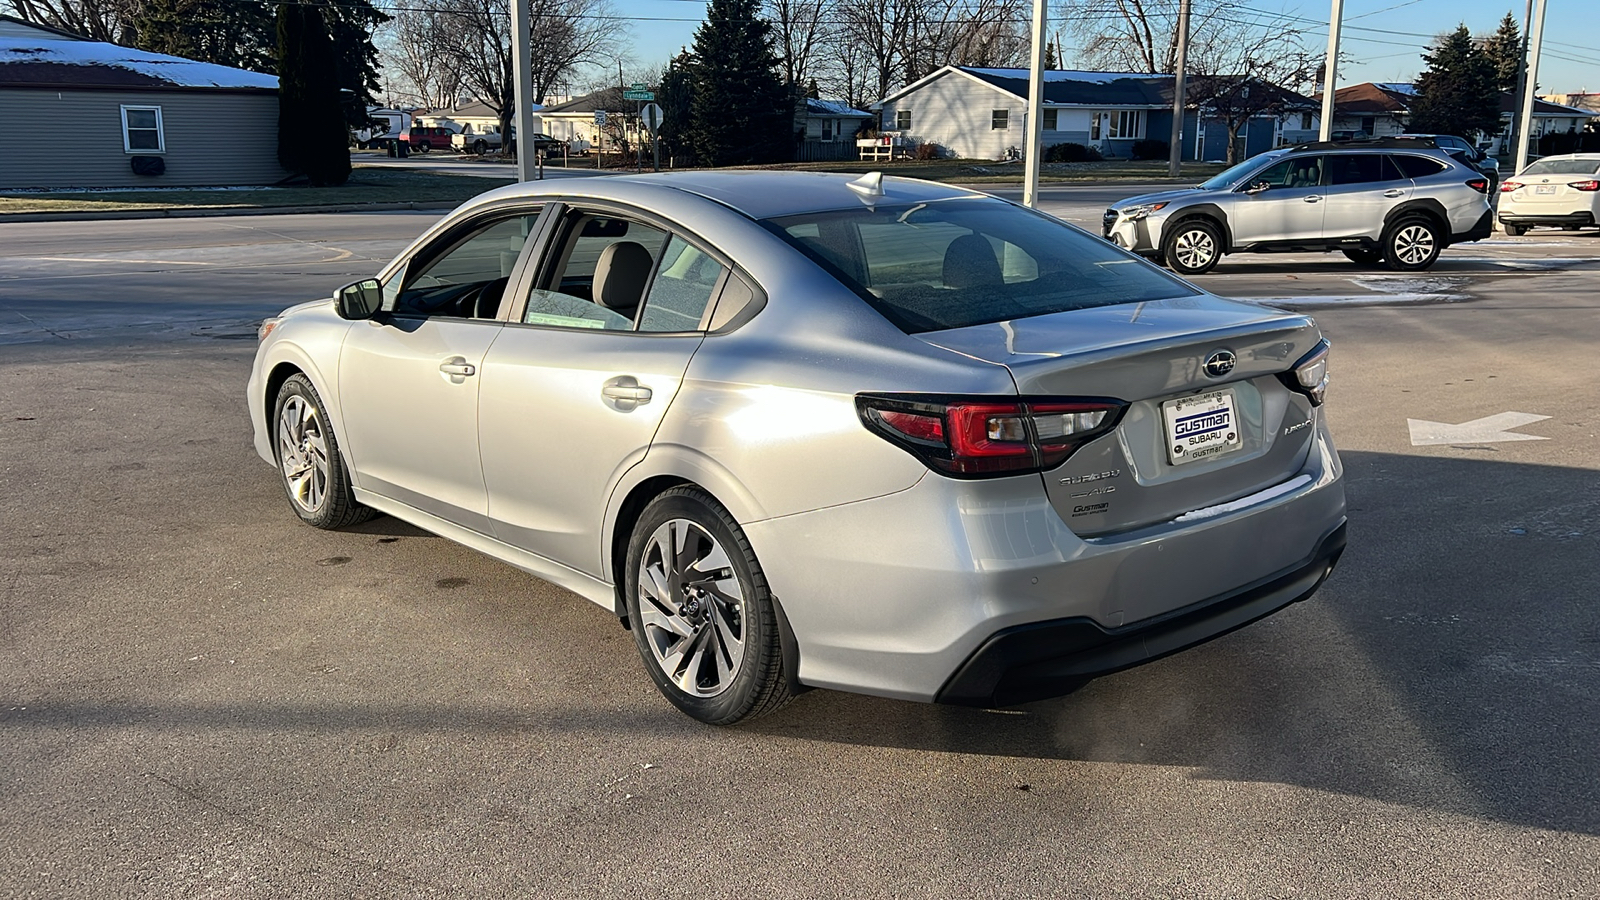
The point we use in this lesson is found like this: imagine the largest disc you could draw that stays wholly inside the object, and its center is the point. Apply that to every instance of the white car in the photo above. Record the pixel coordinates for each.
(1556, 190)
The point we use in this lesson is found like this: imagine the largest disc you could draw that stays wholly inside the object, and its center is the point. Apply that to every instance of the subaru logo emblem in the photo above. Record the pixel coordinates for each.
(1219, 363)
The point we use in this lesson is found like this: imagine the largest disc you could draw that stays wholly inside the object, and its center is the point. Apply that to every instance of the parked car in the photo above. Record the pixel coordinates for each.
(484, 141)
(796, 431)
(1399, 202)
(1555, 190)
(1466, 153)
(424, 138)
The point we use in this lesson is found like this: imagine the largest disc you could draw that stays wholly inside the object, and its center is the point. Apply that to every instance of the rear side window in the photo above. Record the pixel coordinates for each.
(955, 263)
(1356, 168)
(1418, 166)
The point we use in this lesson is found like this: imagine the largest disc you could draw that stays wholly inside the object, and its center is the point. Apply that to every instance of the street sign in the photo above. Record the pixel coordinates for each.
(638, 95)
(599, 117)
(651, 114)
(638, 86)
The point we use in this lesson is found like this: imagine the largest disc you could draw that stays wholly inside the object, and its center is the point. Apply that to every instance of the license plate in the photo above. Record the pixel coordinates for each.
(1201, 426)
(1544, 189)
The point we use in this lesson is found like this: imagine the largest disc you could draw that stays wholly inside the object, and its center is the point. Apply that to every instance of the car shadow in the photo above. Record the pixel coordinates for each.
(1452, 663)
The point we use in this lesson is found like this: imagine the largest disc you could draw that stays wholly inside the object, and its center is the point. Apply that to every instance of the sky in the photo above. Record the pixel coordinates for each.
(1382, 39)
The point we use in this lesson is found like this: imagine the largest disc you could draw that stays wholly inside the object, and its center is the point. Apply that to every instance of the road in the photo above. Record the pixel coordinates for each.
(201, 697)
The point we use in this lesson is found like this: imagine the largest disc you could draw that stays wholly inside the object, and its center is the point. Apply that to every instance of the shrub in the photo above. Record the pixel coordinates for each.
(1149, 149)
(1071, 153)
(927, 151)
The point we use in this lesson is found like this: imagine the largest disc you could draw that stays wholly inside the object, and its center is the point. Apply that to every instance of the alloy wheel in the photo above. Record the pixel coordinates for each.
(1413, 244)
(691, 608)
(303, 453)
(1194, 249)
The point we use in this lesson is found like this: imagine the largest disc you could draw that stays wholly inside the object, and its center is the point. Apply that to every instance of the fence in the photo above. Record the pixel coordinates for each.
(824, 151)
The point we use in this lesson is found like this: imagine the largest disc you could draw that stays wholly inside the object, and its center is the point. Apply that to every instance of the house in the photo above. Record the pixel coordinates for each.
(980, 113)
(1380, 109)
(110, 116)
(578, 119)
(831, 121)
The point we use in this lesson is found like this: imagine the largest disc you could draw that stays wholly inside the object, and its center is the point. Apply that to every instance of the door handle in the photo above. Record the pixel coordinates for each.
(1314, 198)
(1394, 192)
(625, 392)
(458, 366)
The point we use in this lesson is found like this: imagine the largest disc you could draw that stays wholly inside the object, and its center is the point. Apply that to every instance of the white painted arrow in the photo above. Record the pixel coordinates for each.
(1487, 430)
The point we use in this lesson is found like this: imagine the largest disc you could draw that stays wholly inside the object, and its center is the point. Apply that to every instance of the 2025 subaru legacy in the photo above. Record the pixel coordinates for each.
(800, 431)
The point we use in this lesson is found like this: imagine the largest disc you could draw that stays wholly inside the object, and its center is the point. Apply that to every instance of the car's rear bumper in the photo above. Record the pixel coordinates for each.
(1584, 217)
(1048, 659)
(1479, 230)
(894, 596)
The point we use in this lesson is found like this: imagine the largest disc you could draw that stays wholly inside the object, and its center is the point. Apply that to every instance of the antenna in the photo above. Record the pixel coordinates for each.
(869, 186)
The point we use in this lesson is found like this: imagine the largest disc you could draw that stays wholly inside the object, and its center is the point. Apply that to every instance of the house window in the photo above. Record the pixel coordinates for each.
(827, 129)
(1125, 124)
(1000, 119)
(1050, 120)
(1305, 121)
(141, 130)
(1369, 125)
(902, 119)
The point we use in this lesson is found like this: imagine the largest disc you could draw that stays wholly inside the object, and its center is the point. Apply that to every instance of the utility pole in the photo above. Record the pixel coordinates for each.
(1035, 124)
(1526, 131)
(1330, 79)
(522, 92)
(1522, 78)
(1179, 79)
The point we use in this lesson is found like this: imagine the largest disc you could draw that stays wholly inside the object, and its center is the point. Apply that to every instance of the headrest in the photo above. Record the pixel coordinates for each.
(970, 262)
(621, 274)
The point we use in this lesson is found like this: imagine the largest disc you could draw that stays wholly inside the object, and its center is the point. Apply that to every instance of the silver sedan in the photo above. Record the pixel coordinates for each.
(797, 430)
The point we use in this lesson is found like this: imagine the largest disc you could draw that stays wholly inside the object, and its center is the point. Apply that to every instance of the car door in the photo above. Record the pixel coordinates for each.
(576, 386)
(1282, 203)
(409, 378)
(1362, 188)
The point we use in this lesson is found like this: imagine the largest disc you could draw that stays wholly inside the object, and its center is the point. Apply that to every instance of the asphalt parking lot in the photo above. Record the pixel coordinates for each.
(203, 698)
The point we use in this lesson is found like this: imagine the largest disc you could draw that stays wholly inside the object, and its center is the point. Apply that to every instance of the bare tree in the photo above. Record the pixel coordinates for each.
(100, 20)
(411, 54)
(1142, 35)
(878, 45)
(799, 28)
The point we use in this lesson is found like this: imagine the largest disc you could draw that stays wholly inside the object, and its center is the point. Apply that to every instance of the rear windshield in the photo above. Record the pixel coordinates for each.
(1562, 167)
(954, 263)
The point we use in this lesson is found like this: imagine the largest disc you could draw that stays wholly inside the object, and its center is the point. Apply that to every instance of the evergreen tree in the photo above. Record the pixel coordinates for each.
(741, 111)
(351, 24)
(1503, 49)
(313, 139)
(675, 96)
(1456, 94)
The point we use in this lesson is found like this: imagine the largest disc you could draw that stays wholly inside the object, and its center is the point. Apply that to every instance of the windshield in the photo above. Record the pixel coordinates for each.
(954, 263)
(1230, 176)
(1563, 167)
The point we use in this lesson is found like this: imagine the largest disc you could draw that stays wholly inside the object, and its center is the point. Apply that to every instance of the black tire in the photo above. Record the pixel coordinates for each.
(1516, 230)
(1192, 247)
(680, 617)
(1412, 244)
(479, 146)
(1363, 256)
(424, 147)
(332, 503)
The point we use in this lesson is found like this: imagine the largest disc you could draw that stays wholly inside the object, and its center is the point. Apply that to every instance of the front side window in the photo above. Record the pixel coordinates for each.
(1000, 119)
(1301, 171)
(466, 277)
(141, 130)
(955, 263)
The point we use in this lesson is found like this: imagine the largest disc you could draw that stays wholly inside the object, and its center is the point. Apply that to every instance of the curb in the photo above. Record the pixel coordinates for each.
(200, 212)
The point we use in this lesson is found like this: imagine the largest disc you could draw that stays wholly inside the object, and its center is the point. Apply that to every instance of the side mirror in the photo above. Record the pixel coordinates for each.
(1257, 188)
(360, 299)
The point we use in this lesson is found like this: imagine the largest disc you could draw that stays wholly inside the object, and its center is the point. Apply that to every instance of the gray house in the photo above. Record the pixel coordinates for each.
(91, 114)
(980, 113)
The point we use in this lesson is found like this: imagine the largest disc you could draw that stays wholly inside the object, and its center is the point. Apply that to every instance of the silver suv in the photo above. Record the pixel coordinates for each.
(1396, 201)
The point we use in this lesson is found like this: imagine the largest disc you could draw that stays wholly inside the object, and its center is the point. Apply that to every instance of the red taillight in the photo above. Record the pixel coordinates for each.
(1481, 185)
(1584, 185)
(973, 437)
(1507, 187)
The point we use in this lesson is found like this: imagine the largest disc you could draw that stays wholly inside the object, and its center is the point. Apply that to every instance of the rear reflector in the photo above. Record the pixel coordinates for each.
(975, 437)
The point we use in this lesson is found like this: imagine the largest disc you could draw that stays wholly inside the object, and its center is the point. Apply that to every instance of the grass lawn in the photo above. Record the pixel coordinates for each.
(366, 185)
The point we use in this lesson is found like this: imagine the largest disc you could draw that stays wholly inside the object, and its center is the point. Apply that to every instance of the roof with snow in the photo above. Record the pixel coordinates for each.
(835, 108)
(1379, 98)
(29, 62)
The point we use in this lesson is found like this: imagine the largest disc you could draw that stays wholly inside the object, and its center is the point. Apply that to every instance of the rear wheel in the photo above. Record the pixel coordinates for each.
(1362, 255)
(1412, 244)
(1192, 247)
(700, 611)
(478, 147)
(1516, 230)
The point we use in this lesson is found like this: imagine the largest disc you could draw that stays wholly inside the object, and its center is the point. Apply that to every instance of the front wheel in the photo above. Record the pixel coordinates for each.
(313, 472)
(1411, 245)
(1192, 247)
(700, 611)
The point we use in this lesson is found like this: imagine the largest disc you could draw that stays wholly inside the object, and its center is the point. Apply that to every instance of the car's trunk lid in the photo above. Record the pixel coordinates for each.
(1150, 355)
